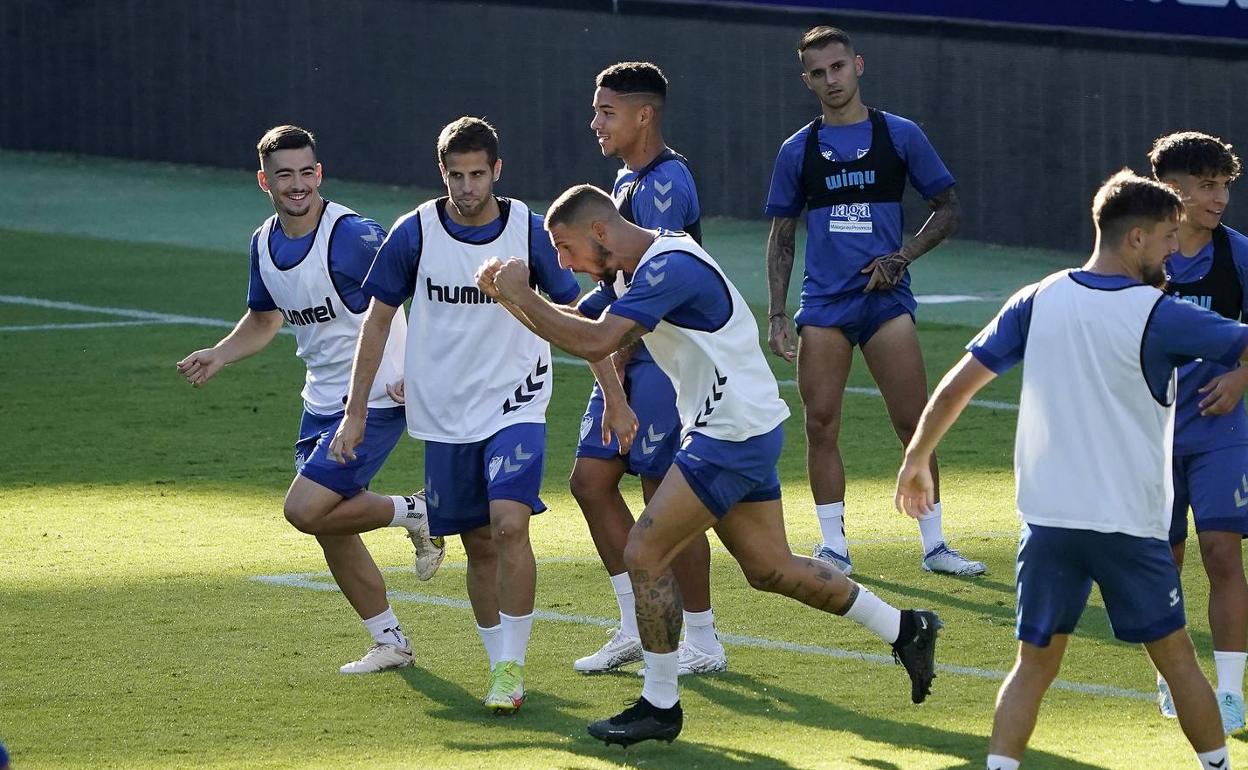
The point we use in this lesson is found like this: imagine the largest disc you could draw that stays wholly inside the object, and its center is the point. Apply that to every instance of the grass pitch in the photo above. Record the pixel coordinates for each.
(160, 613)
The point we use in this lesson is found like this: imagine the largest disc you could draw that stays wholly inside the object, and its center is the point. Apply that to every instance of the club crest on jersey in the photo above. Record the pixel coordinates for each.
(495, 464)
(587, 422)
(317, 314)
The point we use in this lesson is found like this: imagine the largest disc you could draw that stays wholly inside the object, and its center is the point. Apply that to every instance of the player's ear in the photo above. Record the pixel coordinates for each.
(498, 168)
(262, 180)
(599, 229)
(319, 173)
(860, 66)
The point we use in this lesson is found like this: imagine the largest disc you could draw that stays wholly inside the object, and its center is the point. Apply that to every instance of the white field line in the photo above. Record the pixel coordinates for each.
(148, 315)
(95, 325)
(304, 580)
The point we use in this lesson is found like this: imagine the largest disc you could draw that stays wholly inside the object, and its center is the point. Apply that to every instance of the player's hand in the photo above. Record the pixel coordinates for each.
(885, 271)
(512, 279)
(621, 421)
(780, 338)
(1224, 392)
(201, 366)
(485, 276)
(396, 391)
(348, 436)
(915, 495)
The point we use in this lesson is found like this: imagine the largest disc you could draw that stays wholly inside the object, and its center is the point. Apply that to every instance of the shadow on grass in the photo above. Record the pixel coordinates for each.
(548, 714)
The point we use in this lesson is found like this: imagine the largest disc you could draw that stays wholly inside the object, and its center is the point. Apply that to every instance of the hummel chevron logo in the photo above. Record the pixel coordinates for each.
(712, 401)
(526, 391)
(663, 189)
(372, 236)
(648, 447)
(653, 268)
(661, 204)
(521, 454)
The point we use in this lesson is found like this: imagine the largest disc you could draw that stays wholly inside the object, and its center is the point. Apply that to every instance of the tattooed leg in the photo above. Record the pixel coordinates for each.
(659, 609)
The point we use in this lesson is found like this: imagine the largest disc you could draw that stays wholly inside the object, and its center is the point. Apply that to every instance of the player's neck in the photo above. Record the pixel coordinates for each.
(488, 213)
(853, 112)
(646, 150)
(295, 227)
(1107, 262)
(1193, 238)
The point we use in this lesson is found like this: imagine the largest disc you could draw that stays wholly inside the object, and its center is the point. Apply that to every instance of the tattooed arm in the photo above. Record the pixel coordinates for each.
(781, 242)
(887, 270)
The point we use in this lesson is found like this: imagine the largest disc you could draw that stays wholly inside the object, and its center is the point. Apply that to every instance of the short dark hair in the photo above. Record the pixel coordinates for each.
(634, 77)
(284, 138)
(468, 134)
(1192, 152)
(821, 37)
(1127, 200)
(577, 203)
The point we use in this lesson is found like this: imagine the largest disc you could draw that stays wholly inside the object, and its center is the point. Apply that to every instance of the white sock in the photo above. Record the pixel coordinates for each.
(832, 526)
(515, 636)
(998, 762)
(628, 606)
(869, 610)
(700, 630)
(1214, 760)
(385, 629)
(930, 529)
(492, 638)
(406, 509)
(1230, 667)
(660, 687)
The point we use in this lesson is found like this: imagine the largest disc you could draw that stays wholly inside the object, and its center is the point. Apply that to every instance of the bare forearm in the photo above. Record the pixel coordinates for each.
(369, 349)
(567, 330)
(609, 380)
(253, 332)
(943, 223)
(781, 243)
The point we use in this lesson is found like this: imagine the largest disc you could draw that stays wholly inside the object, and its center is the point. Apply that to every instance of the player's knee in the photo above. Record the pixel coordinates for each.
(639, 556)
(509, 531)
(1223, 564)
(760, 577)
(584, 486)
(905, 427)
(301, 517)
(823, 423)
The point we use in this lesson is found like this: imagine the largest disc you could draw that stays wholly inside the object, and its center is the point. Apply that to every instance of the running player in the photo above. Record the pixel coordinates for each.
(1092, 456)
(655, 189)
(1211, 430)
(307, 263)
(700, 331)
(477, 385)
(848, 169)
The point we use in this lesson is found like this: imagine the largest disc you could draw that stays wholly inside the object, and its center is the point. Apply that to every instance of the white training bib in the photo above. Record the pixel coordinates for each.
(325, 328)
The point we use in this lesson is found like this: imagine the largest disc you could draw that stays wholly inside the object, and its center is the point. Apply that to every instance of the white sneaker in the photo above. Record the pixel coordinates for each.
(692, 659)
(620, 650)
(947, 561)
(382, 656)
(842, 563)
(429, 550)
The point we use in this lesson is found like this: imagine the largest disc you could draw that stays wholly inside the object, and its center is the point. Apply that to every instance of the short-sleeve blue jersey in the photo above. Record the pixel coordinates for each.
(666, 199)
(1192, 432)
(1177, 333)
(840, 243)
(392, 278)
(688, 293)
(351, 252)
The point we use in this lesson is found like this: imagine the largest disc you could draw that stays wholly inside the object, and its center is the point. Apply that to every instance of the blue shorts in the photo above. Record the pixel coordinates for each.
(724, 473)
(857, 316)
(653, 400)
(382, 431)
(1137, 577)
(1213, 485)
(462, 479)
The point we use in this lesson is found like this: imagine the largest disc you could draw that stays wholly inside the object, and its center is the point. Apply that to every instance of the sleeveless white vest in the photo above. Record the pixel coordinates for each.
(724, 388)
(472, 368)
(1093, 446)
(325, 329)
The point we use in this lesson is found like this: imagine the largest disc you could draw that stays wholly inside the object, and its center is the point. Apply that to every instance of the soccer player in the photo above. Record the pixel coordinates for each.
(655, 189)
(477, 384)
(700, 331)
(1099, 346)
(848, 169)
(307, 264)
(1211, 429)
